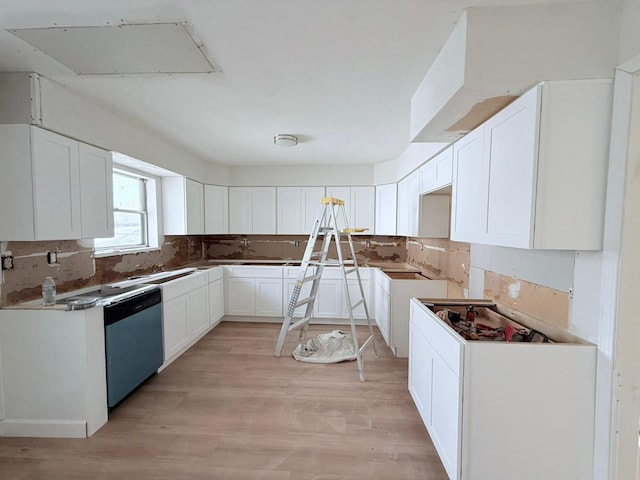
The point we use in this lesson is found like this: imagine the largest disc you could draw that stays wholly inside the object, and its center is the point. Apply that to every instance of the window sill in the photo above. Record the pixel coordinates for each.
(123, 251)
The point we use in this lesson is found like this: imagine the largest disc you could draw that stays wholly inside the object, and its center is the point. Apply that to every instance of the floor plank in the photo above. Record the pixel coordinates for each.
(229, 409)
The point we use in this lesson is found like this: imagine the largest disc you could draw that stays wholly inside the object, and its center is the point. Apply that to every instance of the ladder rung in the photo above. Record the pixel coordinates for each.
(350, 271)
(366, 343)
(332, 263)
(357, 304)
(300, 322)
(311, 278)
(325, 229)
(315, 254)
(304, 301)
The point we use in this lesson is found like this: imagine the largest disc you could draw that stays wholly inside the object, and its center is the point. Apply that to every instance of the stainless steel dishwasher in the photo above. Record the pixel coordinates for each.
(133, 342)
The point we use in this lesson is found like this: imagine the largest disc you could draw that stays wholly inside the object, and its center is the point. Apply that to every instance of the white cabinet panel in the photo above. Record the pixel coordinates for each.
(198, 311)
(175, 330)
(420, 372)
(403, 207)
(298, 208)
(241, 296)
(96, 191)
(362, 209)
(328, 302)
(268, 299)
(386, 209)
(468, 201)
(437, 172)
(252, 210)
(216, 209)
(182, 206)
(264, 210)
(56, 177)
(216, 301)
(413, 223)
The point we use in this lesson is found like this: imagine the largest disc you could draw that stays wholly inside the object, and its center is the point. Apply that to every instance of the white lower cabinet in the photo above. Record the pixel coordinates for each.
(328, 303)
(216, 301)
(185, 313)
(254, 290)
(392, 306)
(503, 410)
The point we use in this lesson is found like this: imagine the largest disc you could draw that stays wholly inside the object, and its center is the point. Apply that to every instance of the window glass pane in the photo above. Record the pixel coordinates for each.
(129, 231)
(128, 192)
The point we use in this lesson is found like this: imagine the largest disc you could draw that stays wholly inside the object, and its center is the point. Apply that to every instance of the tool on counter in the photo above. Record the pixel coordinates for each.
(326, 224)
(471, 318)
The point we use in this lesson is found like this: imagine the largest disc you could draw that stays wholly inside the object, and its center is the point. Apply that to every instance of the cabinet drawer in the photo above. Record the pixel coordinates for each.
(214, 274)
(292, 272)
(383, 281)
(180, 286)
(253, 271)
(443, 341)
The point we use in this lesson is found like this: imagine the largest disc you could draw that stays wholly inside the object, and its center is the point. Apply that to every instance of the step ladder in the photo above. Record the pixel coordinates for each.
(311, 267)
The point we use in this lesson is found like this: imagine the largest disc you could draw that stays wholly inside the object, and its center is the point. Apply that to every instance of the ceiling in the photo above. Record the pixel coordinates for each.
(339, 74)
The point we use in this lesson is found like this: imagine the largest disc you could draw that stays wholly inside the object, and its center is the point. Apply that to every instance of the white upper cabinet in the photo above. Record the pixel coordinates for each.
(468, 199)
(96, 191)
(403, 207)
(386, 212)
(216, 209)
(298, 208)
(252, 210)
(362, 209)
(534, 175)
(437, 172)
(413, 222)
(182, 206)
(41, 180)
(359, 206)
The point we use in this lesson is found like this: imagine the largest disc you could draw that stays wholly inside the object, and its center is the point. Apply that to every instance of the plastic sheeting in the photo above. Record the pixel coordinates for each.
(336, 346)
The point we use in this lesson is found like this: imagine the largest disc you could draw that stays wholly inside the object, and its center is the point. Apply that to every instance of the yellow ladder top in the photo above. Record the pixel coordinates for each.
(331, 200)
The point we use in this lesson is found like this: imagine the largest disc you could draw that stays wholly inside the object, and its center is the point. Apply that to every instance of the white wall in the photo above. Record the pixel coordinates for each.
(318, 175)
(72, 115)
(629, 30)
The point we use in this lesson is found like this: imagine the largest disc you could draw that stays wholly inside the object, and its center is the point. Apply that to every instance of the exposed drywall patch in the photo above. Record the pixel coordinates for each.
(544, 303)
(292, 247)
(481, 112)
(442, 259)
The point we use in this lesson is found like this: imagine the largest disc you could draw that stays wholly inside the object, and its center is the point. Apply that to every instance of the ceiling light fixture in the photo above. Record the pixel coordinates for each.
(285, 140)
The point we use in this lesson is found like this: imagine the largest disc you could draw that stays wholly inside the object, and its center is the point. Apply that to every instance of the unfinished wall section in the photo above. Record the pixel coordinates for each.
(77, 268)
(291, 247)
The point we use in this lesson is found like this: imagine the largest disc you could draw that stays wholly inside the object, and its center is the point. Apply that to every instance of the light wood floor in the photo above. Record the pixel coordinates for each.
(229, 409)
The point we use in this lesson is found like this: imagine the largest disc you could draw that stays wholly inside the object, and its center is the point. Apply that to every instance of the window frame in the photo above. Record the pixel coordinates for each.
(150, 216)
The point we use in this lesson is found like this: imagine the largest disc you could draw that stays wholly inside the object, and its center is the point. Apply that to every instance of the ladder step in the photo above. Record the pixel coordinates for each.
(299, 323)
(304, 301)
(311, 278)
(316, 254)
(366, 343)
(331, 263)
(350, 271)
(357, 304)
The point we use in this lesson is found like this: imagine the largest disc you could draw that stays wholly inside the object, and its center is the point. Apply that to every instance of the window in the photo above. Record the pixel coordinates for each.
(133, 214)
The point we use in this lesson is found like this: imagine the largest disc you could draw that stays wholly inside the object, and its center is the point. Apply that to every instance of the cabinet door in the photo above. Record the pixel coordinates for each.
(194, 207)
(311, 206)
(263, 210)
(403, 207)
(362, 209)
(386, 204)
(446, 415)
(241, 296)
(510, 144)
(56, 178)
(290, 207)
(269, 297)
(216, 209)
(413, 225)
(469, 196)
(96, 191)
(443, 166)
(329, 298)
(240, 210)
(216, 301)
(175, 332)
(383, 314)
(420, 372)
(198, 311)
(427, 177)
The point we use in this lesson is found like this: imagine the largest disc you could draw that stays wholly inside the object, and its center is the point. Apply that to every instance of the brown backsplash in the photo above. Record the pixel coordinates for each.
(77, 268)
(438, 258)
